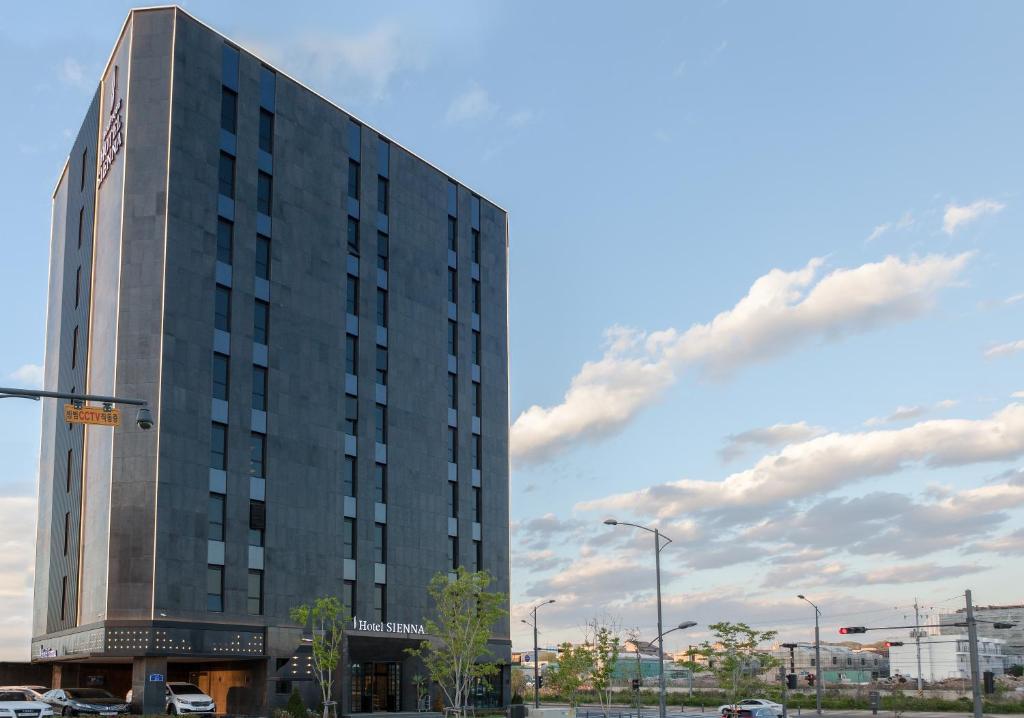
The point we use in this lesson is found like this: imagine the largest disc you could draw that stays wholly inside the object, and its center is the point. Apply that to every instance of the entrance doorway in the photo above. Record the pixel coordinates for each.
(376, 687)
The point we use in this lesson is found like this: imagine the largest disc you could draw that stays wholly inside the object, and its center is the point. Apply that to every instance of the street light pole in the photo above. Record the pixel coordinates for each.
(661, 636)
(536, 658)
(658, 546)
(817, 655)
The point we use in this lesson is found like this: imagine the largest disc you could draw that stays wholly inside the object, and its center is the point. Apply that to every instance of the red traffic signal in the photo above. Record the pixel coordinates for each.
(890, 644)
(852, 629)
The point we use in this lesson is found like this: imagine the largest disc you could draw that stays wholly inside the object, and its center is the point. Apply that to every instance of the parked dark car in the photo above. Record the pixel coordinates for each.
(85, 701)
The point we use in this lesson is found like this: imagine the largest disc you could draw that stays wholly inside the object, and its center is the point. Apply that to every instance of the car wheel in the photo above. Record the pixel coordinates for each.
(65, 711)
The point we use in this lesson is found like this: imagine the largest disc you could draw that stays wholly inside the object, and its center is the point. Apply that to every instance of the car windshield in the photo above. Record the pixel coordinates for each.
(13, 696)
(183, 688)
(87, 693)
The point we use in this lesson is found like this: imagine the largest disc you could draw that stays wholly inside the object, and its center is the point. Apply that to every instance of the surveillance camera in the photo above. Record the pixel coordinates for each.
(144, 419)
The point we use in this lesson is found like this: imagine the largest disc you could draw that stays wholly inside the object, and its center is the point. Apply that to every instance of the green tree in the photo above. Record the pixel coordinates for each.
(735, 658)
(465, 614)
(575, 663)
(326, 618)
(602, 635)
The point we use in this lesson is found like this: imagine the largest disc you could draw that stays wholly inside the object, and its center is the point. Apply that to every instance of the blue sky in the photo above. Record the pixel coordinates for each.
(852, 170)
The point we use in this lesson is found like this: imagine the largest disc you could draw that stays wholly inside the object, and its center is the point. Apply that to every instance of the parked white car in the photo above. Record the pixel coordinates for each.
(17, 703)
(31, 693)
(749, 703)
(183, 698)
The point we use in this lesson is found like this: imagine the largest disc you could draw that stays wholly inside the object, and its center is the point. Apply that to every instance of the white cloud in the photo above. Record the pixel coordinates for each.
(828, 462)
(906, 413)
(72, 73)
(902, 223)
(836, 574)
(1002, 350)
(357, 67)
(781, 311)
(1018, 395)
(17, 563)
(771, 436)
(473, 104)
(1011, 544)
(31, 375)
(1013, 299)
(957, 215)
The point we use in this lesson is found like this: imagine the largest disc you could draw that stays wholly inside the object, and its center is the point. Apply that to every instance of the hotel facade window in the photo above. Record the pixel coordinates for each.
(220, 376)
(257, 454)
(215, 589)
(227, 175)
(228, 110)
(348, 476)
(222, 309)
(225, 240)
(262, 257)
(255, 593)
(259, 388)
(219, 446)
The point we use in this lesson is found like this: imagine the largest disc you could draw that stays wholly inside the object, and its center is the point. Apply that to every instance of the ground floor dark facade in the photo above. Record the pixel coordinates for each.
(377, 675)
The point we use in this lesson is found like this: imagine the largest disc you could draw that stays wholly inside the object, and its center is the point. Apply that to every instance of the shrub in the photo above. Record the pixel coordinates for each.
(295, 707)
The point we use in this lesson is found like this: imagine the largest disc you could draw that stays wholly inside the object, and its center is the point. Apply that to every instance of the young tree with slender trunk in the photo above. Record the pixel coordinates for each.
(326, 618)
(465, 614)
(736, 660)
(602, 635)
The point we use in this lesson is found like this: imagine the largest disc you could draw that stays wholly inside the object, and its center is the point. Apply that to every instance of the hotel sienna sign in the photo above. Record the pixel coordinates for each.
(389, 627)
(113, 135)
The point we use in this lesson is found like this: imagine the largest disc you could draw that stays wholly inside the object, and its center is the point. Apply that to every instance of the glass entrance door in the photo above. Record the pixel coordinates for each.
(376, 687)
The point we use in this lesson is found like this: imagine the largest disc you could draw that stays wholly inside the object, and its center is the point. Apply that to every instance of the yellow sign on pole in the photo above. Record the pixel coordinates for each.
(91, 415)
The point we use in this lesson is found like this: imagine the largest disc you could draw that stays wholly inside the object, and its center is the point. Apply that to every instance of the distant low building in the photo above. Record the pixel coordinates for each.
(839, 663)
(987, 617)
(946, 656)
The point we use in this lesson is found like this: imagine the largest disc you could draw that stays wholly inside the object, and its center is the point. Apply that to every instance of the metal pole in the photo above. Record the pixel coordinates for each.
(785, 686)
(972, 638)
(917, 639)
(639, 675)
(661, 635)
(536, 663)
(817, 661)
(38, 393)
(691, 672)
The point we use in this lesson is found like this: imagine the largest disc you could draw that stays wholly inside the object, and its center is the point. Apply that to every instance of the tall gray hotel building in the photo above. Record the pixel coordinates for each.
(318, 320)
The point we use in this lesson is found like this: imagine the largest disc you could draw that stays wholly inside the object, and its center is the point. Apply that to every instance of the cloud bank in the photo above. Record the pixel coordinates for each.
(829, 462)
(782, 311)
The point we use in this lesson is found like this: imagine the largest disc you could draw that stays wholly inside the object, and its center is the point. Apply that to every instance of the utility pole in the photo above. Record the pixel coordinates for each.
(972, 639)
(917, 639)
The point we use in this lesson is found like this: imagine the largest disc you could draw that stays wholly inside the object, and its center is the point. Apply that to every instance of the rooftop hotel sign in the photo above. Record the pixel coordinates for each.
(388, 627)
(113, 135)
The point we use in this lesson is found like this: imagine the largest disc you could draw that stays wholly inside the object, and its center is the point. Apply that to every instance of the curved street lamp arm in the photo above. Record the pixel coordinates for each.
(36, 394)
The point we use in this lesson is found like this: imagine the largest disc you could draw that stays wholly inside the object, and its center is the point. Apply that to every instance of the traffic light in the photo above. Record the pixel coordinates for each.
(540, 682)
(890, 644)
(636, 684)
(810, 679)
(852, 629)
(791, 680)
